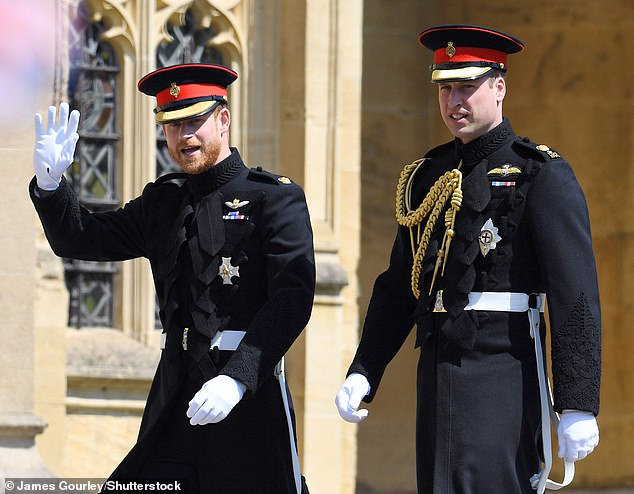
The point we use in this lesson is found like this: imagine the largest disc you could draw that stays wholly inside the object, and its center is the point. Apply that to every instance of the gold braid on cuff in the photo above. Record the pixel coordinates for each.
(449, 184)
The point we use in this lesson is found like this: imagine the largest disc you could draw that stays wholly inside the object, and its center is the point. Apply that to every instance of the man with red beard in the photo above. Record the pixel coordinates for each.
(490, 226)
(232, 258)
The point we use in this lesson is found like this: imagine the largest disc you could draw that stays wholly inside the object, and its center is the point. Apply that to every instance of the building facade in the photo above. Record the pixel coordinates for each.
(336, 95)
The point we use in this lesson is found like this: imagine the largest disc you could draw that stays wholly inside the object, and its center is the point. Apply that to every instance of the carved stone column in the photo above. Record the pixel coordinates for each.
(319, 135)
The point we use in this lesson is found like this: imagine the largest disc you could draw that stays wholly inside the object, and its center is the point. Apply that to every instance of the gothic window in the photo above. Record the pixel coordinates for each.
(93, 175)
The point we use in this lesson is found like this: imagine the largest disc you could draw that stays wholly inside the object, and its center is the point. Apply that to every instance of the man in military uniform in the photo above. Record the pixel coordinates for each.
(490, 226)
(232, 258)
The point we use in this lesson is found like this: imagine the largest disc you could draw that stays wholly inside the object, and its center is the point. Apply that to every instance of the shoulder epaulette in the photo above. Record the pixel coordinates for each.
(539, 151)
(171, 176)
(261, 174)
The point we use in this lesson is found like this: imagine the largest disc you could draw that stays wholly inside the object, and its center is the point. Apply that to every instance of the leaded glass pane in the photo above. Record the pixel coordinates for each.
(91, 293)
(164, 163)
(189, 44)
(92, 90)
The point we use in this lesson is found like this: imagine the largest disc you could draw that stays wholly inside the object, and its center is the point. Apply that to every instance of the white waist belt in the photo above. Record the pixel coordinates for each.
(521, 302)
(223, 340)
(503, 301)
(228, 339)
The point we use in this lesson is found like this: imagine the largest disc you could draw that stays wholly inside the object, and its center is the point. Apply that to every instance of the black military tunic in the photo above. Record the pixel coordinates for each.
(478, 419)
(230, 249)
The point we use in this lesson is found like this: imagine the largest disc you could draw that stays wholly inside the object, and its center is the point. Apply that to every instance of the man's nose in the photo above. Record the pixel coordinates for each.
(455, 97)
(185, 128)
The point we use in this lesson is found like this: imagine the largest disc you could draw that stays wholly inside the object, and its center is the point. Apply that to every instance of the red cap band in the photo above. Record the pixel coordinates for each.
(468, 54)
(189, 91)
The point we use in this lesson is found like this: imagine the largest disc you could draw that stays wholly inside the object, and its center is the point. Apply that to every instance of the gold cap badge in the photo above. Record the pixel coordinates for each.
(175, 90)
(450, 50)
(284, 180)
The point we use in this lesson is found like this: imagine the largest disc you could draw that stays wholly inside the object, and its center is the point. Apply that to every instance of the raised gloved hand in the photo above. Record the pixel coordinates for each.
(54, 147)
(215, 400)
(578, 435)
(349, 397)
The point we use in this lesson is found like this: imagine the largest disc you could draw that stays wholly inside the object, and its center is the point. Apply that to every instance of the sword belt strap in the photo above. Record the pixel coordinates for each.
(281, 379)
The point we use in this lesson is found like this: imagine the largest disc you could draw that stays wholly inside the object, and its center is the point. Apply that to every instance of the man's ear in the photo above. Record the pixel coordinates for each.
(224, 119)
(500, 89)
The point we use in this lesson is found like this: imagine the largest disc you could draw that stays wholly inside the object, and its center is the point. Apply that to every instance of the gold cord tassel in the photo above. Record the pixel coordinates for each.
(449, 184)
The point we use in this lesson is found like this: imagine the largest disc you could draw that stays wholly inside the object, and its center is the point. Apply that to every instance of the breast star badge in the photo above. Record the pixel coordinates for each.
(226, 271)
(488, 237)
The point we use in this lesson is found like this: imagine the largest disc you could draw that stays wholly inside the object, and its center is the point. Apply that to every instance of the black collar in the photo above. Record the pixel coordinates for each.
(218, 175)
(478, 149)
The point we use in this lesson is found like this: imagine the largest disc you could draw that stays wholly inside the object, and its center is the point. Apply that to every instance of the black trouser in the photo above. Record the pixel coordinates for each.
(246, 453)
(175, 453)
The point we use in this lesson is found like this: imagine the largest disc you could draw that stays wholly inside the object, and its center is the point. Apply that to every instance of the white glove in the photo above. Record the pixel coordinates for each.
(349, 397)
(215, 400)
(54, 147)
(578, 434)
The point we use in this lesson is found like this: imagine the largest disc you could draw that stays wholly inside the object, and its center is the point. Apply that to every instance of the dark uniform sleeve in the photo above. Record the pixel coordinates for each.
(289, 255)
(74, 232)
(389, 318)
(561, 230)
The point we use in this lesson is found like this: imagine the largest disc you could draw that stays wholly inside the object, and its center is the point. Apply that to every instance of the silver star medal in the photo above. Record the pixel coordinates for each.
(488, 237)
(227, 270)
